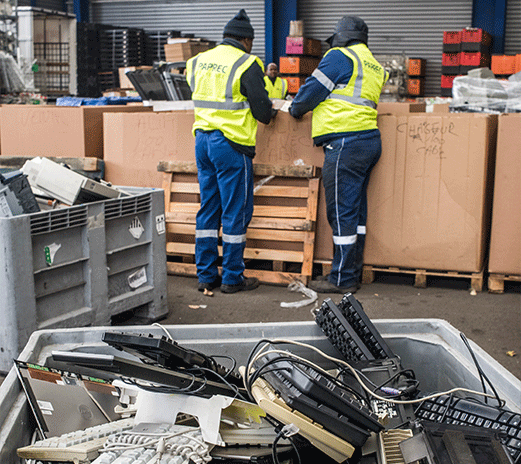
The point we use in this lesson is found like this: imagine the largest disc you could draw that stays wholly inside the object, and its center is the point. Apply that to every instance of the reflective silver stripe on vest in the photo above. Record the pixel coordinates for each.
(221, 105)
(357, 92)
(348, 240)
(360, 230)
(354, 100)
(228, 103)
(206, 233)
(194, 67)
(234, 238)
(283, 88)
(324, 80)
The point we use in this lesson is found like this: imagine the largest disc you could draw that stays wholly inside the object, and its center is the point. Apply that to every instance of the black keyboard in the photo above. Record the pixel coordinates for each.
(460, 411)
(351, 331)
(309, 392)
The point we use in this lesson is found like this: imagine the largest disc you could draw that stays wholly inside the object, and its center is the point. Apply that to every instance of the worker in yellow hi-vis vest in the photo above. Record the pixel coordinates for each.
(229, 98)
(343, 93)
(275, 85)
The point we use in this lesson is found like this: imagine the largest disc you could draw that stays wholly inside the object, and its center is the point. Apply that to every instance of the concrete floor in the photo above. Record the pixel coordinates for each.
(490, 320)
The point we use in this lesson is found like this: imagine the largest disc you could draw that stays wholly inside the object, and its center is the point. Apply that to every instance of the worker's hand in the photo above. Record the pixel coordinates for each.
(273, 113)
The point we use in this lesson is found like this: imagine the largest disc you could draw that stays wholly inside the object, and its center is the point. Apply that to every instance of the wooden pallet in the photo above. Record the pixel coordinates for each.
(496, 282)
(420, 275)
(78, 164)
(282, 230)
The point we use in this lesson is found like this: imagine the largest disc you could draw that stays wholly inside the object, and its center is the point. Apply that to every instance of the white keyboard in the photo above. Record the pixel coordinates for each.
(156, 444)
(80, 446)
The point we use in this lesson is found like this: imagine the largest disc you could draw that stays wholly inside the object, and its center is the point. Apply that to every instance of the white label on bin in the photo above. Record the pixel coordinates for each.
(45, 405)
(136, 229)
(50, 252)
(138, 278)
(5, 211)
(160, 224)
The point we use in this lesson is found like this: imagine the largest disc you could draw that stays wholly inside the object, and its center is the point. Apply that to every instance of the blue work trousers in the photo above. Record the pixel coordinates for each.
(347, 165)
(226, 185)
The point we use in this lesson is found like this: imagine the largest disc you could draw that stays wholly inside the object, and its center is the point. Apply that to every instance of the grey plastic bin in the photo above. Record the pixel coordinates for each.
(79, 266)
(431, 347)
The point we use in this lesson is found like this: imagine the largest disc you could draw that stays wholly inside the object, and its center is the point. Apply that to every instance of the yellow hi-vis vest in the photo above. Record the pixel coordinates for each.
(279, 89)
(215, 79)
(350, 107)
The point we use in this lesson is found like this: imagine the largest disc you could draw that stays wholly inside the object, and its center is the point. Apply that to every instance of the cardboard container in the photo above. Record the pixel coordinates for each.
(75, 132)
(184, 50)
(429, 195)
(298, 64)
(505, 239)
(397, 108)
(135, 143)
(124, 81)
(303, 46)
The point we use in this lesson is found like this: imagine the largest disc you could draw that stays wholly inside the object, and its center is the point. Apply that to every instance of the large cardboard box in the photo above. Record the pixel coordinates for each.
(184, 49)
(136, 143)
(401, 107)
(74, 132)
(505, 239)
(429, 195)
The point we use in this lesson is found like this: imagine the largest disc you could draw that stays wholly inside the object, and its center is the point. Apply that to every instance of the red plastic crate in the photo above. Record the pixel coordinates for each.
(518, 62)
(451, 59)
(451, 37)
(447, 81)
(474, 59)
(471, 34)
(416, 86)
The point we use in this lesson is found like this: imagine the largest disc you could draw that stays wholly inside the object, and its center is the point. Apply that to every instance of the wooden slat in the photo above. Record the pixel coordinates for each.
(258, 169)
(167, 183)
(272, 277)
(256, 222)
(176, 248)
(78, 164)
(264, 191)
(309, 237)
(255, 234)
(258, 210)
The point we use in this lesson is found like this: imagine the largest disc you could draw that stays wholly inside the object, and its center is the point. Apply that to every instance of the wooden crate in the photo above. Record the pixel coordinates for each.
(282, 230)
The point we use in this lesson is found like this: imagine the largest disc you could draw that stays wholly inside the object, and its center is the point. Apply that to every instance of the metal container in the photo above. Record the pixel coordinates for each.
(431, 347)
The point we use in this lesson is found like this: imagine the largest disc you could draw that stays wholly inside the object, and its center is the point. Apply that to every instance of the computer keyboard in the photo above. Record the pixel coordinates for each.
(181, 444)
(350, 330)
(460, 411)
(306, 390)
(82, 445)
(327, 442)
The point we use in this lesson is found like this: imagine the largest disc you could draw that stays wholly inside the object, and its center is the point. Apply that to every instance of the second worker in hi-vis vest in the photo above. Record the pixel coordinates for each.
(229, 98)
(343, 93)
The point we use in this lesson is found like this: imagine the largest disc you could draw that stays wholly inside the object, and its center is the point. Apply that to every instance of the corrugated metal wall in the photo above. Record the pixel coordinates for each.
(202, 18)
(56, 5)
(413, 27)
(513, 28)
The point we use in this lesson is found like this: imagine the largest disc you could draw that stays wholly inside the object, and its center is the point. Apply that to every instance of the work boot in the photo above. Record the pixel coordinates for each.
(249, 283)
(324, 286)
(209, 285)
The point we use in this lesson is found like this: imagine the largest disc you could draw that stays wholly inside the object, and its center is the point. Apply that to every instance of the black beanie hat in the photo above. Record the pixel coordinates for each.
(349, 28)
(239, 26)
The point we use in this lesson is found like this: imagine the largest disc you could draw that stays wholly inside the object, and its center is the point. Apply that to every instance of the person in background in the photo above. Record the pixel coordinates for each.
(229, 98)
(343, 93)
(275, 85)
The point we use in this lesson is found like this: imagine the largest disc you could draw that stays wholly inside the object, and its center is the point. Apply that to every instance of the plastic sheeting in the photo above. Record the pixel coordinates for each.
(11, 78)
(102, 101)
(470, 94)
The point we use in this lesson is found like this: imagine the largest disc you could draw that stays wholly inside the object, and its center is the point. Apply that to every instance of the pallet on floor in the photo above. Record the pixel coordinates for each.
(420, 275)
(281, 232)
(496, 282)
